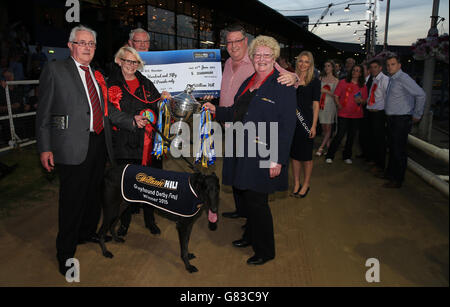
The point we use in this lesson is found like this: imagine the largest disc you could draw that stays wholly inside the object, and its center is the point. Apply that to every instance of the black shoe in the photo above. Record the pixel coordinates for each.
(295, 194)
(122, 231)
(94, 239)
(63, 268)
(241, 243)
(231, 215)
(255, 260)
(304, 195)
(154, 229)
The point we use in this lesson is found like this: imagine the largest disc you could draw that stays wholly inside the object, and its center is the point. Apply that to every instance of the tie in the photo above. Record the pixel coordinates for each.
(95, 102)
(388, 87)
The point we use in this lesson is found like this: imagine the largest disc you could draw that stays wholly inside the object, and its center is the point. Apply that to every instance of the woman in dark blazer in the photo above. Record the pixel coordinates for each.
(131, 92)
(260, 102)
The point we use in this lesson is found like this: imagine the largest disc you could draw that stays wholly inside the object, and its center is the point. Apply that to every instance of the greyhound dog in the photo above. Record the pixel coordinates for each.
(206, 187)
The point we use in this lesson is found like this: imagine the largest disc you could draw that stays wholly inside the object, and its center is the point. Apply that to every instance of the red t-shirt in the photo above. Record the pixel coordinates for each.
(346, 92)
(133, 85)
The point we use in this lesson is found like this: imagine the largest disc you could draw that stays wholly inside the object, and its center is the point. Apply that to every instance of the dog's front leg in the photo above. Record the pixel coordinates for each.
(184, 228)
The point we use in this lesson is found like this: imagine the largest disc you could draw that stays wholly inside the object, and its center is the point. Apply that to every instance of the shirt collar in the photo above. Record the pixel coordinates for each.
(79, 64)
(397, 74)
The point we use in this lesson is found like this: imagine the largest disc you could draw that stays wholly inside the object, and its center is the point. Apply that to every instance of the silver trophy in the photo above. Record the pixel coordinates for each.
(181, 107)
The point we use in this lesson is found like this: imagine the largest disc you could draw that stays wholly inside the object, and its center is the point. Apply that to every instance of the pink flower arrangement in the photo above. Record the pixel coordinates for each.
(433, 46)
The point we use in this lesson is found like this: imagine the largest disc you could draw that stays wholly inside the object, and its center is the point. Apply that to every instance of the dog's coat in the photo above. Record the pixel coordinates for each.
(165, 190)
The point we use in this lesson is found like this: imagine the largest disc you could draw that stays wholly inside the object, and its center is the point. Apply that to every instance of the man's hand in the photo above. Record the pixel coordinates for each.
(140, 121)
(208, 97)
(415, 120)
(275, 169)
(287, 78)
(47, 160)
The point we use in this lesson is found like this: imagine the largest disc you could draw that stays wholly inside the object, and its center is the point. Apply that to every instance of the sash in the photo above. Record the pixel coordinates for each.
(323, 96)
(148, 136)
(165, 190)
(303, 122)
(372, 94)
(205, 153)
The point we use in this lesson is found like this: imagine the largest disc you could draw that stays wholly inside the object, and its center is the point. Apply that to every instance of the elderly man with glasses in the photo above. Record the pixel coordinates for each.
(73, 135)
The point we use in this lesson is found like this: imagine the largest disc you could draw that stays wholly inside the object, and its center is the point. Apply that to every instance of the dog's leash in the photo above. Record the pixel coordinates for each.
(192, 166)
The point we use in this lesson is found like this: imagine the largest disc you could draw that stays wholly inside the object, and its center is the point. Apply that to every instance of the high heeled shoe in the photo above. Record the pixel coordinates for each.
(304, 195)
(295, 194)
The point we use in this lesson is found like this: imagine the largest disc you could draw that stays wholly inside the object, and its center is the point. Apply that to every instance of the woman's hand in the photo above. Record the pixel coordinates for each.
(140, 121)
(339, 106)
(312, 132)
(210, 107)
(275, 169)
(165, 95)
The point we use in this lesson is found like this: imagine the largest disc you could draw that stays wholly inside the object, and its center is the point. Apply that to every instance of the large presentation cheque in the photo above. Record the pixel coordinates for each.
(172, 70)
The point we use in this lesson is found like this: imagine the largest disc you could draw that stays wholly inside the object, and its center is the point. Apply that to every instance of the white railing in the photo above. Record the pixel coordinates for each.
(15, 140)
(442, 154)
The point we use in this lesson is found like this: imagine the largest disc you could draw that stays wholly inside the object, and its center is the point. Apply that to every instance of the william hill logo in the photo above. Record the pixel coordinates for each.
(152, 181)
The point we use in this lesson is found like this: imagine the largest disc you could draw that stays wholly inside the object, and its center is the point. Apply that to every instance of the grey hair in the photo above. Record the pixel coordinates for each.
(79, 28)
(138, 30)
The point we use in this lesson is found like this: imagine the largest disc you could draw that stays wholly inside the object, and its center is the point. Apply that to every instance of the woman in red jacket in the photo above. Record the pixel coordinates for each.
(350, 95)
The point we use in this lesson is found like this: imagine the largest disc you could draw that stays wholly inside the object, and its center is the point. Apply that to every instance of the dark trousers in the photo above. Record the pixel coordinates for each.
(80, 198)
(259, 230)
(346, 126)
(398, 126)
(240, 208)
(377, 137)
(149, 211)
(364, 136)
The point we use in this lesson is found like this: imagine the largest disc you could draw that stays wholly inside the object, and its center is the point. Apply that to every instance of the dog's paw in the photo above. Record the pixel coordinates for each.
(108, 254)
(191, 269)
(191, 256)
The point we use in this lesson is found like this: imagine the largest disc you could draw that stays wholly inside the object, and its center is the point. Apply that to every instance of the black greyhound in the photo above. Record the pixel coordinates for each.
(205, 186)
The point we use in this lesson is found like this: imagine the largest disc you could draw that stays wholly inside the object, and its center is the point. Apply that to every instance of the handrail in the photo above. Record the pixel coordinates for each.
(432, 150)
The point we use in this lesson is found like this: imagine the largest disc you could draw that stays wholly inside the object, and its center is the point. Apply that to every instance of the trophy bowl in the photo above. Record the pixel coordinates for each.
(181, 107)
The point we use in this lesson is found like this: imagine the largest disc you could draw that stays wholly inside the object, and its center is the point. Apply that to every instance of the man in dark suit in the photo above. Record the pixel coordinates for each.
(74, 134)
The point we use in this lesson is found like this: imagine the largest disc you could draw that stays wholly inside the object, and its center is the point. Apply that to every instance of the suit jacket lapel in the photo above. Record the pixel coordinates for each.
(73, 70)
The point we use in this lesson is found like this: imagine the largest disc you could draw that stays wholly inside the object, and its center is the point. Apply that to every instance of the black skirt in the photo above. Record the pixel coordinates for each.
(302, 145)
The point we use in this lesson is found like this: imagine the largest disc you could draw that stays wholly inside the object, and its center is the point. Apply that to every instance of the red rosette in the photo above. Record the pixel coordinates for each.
(99, 77)
(115, 95)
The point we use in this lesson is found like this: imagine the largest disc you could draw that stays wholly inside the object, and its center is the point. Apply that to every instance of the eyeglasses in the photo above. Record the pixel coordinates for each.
(235, 42)
(141, 42)
(265, 56)
(129, 62)
(84, 44)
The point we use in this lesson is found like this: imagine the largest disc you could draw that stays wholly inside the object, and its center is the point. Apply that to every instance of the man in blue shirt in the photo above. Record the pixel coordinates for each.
(405, 101)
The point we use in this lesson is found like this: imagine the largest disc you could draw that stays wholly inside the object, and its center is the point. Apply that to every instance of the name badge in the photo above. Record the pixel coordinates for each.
(268, 100)
(60, 121)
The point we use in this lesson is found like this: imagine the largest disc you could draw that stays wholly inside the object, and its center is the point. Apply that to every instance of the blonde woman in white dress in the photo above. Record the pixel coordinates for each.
(327, 106)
